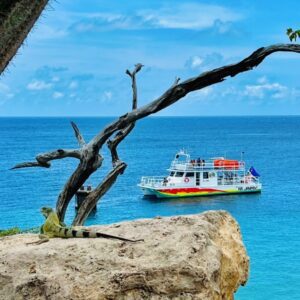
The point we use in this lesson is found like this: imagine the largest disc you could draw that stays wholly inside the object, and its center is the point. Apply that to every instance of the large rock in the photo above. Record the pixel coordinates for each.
(185, 257)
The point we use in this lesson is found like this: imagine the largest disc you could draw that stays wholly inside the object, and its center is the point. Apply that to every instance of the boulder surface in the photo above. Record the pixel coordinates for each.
(184, 257)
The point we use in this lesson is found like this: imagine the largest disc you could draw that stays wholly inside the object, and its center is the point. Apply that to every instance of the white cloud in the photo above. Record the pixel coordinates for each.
(263, 90)
(276, 89)
(108, 95)
(4, 88)
(38, 85)
(262, 80)
(73, 85)
(45, 32)
(55, 79)
(205, 62)
(196, 61)
(205, 94)
(5, 93)
(189, 16)
(57, 95)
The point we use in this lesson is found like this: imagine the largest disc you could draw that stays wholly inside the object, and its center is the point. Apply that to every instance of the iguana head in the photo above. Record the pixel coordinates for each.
(46, 211)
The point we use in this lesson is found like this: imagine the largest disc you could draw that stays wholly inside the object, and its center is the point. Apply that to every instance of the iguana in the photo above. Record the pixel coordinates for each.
(54, 228)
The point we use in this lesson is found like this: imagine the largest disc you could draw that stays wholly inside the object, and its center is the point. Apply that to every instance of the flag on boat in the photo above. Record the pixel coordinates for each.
(253, 172)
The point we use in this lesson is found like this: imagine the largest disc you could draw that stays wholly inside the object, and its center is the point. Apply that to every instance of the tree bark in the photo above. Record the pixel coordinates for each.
(17, 17)
(92, 199)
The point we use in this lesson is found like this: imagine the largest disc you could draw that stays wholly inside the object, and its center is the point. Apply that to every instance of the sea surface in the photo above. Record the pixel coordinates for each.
(270, 221)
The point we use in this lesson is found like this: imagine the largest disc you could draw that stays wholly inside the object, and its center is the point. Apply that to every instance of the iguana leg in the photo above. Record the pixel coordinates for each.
(42, 239)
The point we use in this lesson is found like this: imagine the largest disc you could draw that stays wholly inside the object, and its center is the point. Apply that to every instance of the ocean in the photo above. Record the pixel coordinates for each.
(269, 221)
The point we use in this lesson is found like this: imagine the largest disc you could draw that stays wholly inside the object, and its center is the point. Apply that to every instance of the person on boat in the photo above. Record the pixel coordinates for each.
(165, 181)
(199, 162)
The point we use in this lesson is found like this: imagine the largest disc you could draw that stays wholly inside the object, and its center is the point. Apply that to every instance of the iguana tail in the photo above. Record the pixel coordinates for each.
(66, 232)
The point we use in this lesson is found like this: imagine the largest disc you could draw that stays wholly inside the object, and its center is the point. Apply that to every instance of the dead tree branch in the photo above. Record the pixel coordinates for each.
(120, 136)
(78, 135)
(174, 93)
(91, 200)
(118, 166)
(42, 160)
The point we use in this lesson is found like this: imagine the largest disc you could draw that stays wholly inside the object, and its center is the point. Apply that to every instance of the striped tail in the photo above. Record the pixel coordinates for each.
(73, 233)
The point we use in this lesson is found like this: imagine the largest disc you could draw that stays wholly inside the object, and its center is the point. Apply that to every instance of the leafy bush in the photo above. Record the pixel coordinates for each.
(10, 231)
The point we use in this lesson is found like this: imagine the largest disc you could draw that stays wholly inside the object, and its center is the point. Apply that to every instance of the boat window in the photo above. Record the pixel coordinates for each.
(179, 174)
(172, 173)
(189, 174)
(205, 175)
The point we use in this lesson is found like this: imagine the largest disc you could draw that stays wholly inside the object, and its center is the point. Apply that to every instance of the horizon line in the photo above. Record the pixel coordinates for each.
(151, 116)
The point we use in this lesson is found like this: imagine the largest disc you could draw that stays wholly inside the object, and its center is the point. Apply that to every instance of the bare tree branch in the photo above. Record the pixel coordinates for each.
(78, 135)
(119, 137)
(177, 79)
(89, 163)
(132, 74)
(42, 160)
(91, 200)
(178, 91)
(118, 166)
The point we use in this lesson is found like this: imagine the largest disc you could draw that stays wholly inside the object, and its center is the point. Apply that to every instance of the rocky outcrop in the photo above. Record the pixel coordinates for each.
(183, 257)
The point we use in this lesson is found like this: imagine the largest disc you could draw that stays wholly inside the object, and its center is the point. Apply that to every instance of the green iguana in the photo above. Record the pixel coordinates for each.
(54, 228)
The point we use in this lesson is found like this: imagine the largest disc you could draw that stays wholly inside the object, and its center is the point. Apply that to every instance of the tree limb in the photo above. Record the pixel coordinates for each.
(78, 135)
(119, 137)
(91, 200)
(42, 160)
(178, 91)
(89, 163)
(118, 166)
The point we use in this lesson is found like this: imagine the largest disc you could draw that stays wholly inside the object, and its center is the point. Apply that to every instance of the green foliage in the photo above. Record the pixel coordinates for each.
(293, 34)
(10, 231)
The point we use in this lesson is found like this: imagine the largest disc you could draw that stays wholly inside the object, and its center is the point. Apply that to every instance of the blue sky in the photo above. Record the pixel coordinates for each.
(74, 61)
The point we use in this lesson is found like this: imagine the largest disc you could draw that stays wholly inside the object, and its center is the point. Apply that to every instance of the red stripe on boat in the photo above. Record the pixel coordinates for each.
(188, 190)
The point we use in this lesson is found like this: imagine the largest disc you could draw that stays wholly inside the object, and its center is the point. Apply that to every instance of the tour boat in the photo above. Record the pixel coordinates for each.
(198, 177)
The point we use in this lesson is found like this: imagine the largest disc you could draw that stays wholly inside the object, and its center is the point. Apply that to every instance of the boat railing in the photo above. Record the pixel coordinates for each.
(188, 166)
(237, 180)
(152, 180)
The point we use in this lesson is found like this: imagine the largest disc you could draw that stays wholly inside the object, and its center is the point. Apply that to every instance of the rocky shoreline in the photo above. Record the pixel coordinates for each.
(184, 257)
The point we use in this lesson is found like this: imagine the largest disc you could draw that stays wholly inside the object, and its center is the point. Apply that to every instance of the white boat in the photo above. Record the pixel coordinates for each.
(198, 177)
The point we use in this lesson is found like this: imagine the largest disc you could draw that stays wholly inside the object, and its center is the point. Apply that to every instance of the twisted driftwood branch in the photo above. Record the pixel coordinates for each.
(78, 135)
(42, 160)
(119, 137)
(118, 166)
(91, 200)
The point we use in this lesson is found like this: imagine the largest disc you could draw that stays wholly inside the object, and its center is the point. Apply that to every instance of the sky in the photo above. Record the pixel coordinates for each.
(73, 62)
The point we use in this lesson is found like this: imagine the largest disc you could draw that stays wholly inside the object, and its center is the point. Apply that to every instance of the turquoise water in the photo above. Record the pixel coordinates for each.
(269, 221)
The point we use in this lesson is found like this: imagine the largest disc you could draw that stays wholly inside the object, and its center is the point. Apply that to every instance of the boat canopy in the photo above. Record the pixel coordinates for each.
(228, 164)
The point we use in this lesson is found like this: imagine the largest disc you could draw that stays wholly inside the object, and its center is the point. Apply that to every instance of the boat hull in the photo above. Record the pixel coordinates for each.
(198, 192)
